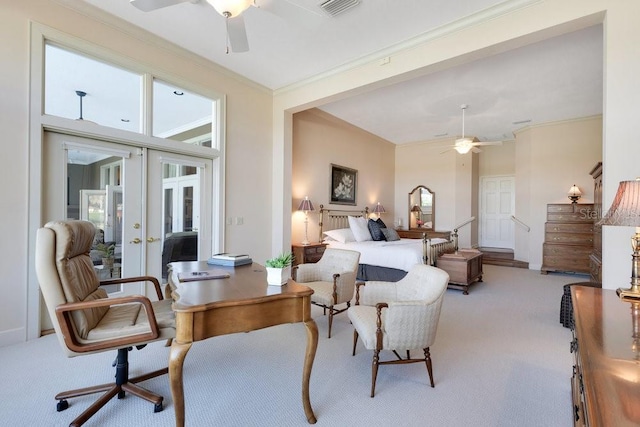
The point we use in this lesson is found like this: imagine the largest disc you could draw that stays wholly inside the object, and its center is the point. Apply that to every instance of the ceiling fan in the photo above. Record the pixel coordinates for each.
(232, 11)
(465, 144)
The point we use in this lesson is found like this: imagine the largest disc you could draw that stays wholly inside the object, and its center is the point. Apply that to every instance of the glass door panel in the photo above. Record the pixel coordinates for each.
(113, 209)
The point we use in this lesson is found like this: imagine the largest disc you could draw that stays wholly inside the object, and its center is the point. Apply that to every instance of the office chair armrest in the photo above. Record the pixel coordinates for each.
(63, 312)
(152, 279)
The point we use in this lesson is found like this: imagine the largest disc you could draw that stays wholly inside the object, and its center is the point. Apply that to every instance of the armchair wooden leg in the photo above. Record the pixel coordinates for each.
(355, 341)
(330, 320)
(427, 359)
(374, 371)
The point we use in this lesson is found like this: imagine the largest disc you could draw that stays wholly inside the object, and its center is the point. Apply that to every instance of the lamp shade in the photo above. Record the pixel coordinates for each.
(305, 205)
(575, 191)
(231, 7)
(378, 209)
(625, 209)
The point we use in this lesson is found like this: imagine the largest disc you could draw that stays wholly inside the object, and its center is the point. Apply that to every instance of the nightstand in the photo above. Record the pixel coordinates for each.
(304, 254)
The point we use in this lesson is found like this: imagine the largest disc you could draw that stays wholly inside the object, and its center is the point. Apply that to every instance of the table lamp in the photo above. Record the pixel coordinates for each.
(306, 206)
(574, 194)
(379, 209)
(625, 211)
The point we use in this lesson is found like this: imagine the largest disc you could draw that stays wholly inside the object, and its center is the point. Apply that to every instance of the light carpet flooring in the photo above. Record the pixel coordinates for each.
(501, 358)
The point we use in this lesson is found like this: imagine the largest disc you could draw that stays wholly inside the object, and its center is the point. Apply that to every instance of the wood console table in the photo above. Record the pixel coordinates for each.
(241, 303)
(606, 374)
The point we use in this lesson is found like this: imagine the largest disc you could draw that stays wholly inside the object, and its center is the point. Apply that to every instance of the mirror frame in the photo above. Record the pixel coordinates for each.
(433, 209)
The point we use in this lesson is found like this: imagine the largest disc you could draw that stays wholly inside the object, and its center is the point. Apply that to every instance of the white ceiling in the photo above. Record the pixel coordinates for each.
(291, 41)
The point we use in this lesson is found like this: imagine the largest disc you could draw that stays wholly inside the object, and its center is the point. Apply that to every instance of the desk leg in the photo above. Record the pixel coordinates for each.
(176, 360)
(312, 345)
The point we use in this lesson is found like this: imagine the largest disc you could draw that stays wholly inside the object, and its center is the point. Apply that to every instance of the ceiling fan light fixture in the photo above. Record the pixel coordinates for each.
(230, 8)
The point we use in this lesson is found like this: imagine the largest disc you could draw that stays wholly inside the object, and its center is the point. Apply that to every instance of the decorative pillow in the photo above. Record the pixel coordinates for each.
(390, 234)
(342, 235)
(359, 228)
(375, 230)
(380, 223)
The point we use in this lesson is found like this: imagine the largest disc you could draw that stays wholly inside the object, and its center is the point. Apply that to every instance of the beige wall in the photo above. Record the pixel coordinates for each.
(545, 160)
(557, 156)
(319, 140)
(248, 138)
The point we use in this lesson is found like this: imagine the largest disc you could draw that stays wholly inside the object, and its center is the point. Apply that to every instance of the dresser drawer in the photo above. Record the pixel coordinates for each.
(571, 213)
(582, 239)
(313, 254)
(568, 227)
(566, 251)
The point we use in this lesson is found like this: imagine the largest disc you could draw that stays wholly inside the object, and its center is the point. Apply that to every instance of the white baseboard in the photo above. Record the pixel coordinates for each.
(13, 336)
(535, 266)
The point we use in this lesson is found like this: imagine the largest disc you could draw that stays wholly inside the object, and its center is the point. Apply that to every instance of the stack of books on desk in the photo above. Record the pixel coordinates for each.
(229, 260)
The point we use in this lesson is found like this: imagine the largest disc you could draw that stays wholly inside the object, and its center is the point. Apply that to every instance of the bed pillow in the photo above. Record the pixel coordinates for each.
(359, 228)
(375, 230)
(390, 234)
(342, 235)
(381, 223)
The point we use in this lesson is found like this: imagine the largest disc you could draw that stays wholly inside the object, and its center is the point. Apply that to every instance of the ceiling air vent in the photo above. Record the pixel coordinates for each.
(336, 7)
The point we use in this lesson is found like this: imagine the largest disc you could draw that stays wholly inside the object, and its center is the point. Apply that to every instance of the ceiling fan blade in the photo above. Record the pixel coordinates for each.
(476, 150)
(237, 34)
(149, 5)
(490, 143)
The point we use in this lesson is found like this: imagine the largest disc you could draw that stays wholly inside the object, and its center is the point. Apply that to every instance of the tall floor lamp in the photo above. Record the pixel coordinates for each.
(306, 206)
(625, 211)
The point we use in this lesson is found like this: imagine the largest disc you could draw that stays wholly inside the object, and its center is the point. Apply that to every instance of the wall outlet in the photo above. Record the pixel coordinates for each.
(229, 221)
(239, 220)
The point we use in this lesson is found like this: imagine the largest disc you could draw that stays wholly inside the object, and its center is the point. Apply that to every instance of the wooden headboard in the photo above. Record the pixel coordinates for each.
(333, 219)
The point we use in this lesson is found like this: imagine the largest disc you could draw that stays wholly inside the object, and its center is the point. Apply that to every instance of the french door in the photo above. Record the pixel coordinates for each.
(135, 196)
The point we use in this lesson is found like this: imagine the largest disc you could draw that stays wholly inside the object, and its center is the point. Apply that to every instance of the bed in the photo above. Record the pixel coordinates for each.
(380, 260)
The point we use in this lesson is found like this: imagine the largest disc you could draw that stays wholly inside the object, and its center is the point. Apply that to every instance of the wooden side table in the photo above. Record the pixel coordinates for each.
(304, 254)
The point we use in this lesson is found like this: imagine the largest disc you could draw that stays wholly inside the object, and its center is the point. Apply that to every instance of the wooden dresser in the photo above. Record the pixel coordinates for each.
(595, 260)
(568, 238)
(606, 375)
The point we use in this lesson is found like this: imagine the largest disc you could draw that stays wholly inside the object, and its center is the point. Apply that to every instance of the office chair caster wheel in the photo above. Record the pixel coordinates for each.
(121, 394)
(157, 407)
(62, 405)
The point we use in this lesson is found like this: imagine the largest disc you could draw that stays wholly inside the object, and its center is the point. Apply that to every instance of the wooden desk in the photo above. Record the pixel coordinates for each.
(242, 303)
(606, 373)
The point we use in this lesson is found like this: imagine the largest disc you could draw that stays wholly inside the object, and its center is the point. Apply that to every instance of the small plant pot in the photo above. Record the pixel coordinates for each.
(107, 262)
(278, 276)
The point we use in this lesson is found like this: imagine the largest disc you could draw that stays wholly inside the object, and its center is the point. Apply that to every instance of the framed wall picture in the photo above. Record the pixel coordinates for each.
(344, 182)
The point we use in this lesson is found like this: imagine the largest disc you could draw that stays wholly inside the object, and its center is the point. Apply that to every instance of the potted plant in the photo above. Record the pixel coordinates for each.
(279, 269)
(107, 251)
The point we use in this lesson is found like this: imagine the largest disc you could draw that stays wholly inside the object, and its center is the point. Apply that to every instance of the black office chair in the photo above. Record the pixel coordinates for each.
(182, 246)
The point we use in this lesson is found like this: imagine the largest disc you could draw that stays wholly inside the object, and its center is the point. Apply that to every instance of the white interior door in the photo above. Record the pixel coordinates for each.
(497, 205)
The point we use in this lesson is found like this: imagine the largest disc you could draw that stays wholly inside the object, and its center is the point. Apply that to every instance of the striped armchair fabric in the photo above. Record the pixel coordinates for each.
(399, 316)
(333, 280)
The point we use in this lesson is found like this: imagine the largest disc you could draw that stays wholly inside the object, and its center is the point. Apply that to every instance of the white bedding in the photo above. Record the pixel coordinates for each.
(401, 254)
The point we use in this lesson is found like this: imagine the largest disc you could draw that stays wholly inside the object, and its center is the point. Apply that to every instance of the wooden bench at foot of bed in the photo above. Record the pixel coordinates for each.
(464, 268)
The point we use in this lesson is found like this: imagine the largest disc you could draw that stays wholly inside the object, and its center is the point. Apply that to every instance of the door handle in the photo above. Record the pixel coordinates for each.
(152, 239)
(135, 241)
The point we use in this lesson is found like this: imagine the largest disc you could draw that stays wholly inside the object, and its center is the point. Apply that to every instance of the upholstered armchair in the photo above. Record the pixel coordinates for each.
(332, 278)
(399, 316)
(87, 321)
